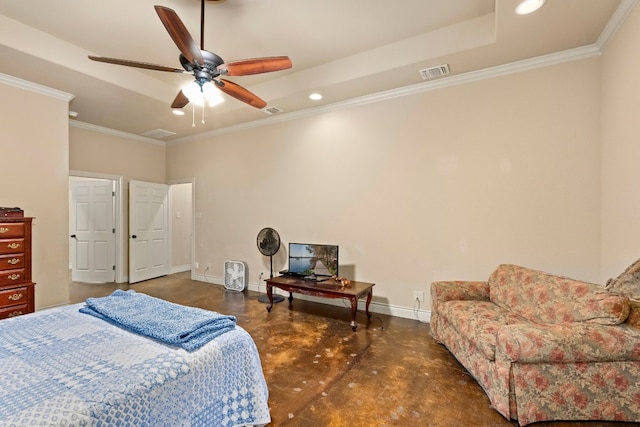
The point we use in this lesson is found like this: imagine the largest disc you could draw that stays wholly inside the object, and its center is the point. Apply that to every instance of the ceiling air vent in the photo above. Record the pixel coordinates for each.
(434, 72)
(158, 133)
(272, 110)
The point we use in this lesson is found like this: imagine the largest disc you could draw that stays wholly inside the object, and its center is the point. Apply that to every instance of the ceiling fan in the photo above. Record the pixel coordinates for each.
(206, 67)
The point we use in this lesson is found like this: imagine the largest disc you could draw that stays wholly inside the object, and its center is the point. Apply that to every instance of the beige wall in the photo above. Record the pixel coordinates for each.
(621, 149)
(98, 152)
(445, 184)
(34, 176)
(109, 154)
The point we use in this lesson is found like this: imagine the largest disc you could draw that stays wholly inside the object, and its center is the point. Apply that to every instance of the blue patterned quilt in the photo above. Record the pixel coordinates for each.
(62, 367)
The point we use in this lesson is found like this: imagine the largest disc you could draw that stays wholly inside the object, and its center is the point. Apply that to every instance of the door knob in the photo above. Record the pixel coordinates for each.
(134, 236)
(74, 236)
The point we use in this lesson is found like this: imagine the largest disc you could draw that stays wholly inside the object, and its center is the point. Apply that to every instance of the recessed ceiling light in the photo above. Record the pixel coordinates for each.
(529, 6)
(315, 97)
(177, 111)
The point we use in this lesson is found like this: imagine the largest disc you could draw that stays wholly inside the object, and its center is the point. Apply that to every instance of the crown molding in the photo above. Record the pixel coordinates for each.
(113, 132)
(34, 87)
(455, 80)
(618, 17)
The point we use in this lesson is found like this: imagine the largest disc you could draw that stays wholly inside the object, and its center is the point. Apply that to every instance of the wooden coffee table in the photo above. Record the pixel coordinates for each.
(327, 289)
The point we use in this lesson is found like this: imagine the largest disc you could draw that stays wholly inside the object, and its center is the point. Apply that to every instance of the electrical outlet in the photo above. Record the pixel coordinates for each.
(197, 265)
(418, 295)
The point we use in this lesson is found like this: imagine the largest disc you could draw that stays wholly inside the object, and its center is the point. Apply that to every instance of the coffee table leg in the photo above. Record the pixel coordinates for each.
(354, 311)
(290, 299)
(270, 295)
(369, 295)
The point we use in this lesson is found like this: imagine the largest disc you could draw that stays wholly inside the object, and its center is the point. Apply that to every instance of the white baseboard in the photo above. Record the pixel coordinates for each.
(375, 307)
(180, 268)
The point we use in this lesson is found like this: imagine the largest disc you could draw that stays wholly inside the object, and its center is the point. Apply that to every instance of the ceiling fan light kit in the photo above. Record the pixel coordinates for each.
(206, 67)
(199, 91)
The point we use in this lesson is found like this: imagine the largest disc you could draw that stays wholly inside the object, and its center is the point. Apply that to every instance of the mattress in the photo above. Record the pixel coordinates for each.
(63, 367)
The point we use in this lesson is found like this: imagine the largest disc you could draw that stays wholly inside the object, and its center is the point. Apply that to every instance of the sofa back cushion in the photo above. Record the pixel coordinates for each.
(628, 284)
(545, 298)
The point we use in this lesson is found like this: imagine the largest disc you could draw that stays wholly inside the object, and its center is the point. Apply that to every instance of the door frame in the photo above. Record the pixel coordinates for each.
(191, 181)
(121, 273)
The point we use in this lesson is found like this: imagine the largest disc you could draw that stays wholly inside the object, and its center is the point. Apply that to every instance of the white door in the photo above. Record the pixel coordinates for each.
(92, 232)
(148, 231)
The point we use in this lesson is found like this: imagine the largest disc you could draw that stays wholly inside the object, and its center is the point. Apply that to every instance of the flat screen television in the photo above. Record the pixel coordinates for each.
(306, 259)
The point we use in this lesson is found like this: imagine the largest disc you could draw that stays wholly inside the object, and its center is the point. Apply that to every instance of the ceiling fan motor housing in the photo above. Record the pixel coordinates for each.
(208, 70)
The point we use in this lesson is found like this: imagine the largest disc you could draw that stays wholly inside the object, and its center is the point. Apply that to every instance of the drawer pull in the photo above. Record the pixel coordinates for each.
(14, 276)
(13, 261)
(15, 313)
(3, 230)
(15, 297)
(13, 245)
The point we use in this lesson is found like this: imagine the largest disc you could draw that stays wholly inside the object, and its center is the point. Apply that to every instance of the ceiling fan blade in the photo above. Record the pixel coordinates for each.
(180, 100)
(240, 93)
(136, 64)
(180, 34)
(246, 67)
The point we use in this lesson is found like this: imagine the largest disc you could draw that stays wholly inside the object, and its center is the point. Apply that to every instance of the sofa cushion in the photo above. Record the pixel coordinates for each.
(478, 322)
(568, 343)
(628, 284)
(546, 298)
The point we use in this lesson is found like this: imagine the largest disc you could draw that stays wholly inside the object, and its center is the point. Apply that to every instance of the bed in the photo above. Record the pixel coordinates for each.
(64, 367)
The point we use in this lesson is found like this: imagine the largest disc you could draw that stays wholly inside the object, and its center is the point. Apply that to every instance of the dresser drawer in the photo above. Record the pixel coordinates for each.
(10, 230)
(16, 310)
(14, 296)
(11, 262)
(9, 277)
(11, 246)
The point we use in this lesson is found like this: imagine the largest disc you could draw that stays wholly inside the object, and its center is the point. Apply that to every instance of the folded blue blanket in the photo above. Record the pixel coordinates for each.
(169, 323)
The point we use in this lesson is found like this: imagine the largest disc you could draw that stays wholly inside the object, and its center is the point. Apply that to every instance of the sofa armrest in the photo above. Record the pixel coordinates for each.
(453, 291)
(567, 343)
(458, 290)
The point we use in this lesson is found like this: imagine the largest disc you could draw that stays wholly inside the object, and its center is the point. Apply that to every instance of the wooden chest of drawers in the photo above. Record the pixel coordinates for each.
(17, 291)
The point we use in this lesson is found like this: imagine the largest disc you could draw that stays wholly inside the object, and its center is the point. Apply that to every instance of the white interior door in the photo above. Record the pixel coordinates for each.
(92, 232)
(148, 231)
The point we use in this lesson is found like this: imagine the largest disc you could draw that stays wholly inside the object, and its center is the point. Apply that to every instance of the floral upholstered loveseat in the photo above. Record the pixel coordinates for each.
(544, 347)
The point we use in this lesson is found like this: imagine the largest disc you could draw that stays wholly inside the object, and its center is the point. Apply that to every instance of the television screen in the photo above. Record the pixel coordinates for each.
(311, 259)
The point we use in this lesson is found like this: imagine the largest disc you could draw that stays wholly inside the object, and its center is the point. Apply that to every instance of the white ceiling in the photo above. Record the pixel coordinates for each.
(341, 48)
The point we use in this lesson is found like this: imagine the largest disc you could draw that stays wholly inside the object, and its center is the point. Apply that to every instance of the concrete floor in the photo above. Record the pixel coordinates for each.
(320, 373)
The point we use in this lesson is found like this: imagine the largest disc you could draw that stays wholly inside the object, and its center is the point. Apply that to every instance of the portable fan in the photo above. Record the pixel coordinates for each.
(235, 275)
(268, 244)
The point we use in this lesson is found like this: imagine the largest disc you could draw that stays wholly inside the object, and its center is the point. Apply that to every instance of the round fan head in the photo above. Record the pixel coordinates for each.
(268, 241)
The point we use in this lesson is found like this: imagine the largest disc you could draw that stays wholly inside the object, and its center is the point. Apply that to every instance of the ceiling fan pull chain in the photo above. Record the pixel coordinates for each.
(193, 115)
(202, 111)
